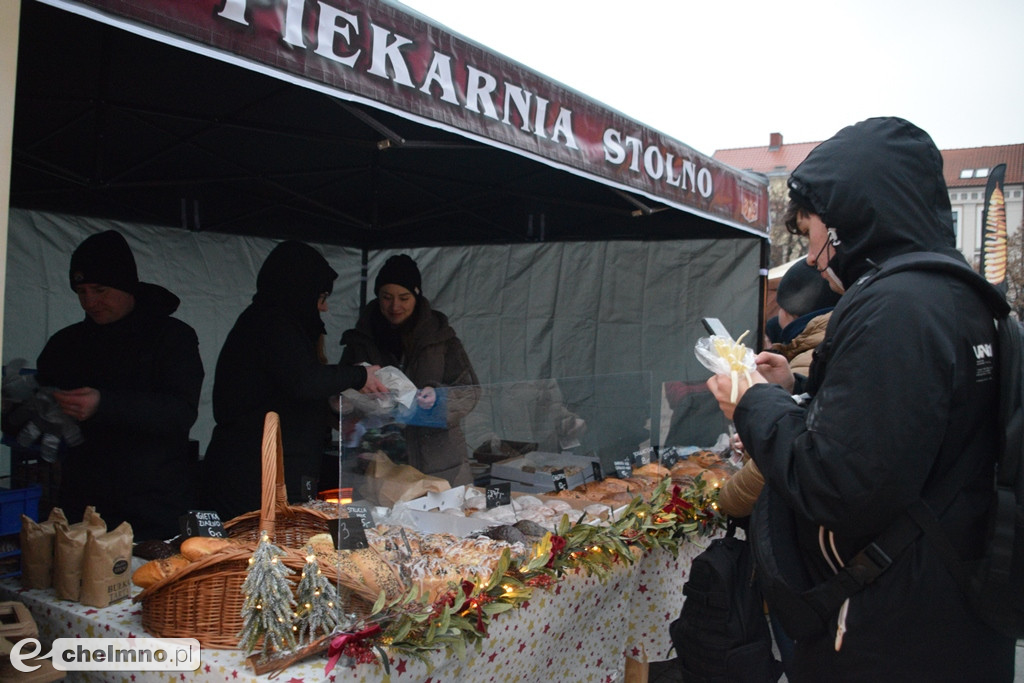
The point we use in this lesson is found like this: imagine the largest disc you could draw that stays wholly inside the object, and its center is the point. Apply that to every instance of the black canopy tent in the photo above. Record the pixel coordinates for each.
(112, 123)
(165, 113)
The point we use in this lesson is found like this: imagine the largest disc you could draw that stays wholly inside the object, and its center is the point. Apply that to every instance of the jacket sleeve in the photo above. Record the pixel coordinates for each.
(170, 404)
(464, 391)
(289, 356)
(740, 491)
(866, 443)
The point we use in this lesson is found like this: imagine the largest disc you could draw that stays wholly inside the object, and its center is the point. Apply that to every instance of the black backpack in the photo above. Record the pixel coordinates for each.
(722, 635)
(995, 583)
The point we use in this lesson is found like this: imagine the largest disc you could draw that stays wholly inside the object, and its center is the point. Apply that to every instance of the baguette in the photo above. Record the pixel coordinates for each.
(200, 546)
(376, 572)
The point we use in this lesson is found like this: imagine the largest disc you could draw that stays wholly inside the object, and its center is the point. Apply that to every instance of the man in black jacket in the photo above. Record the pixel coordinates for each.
(898, 396)
(131, 375)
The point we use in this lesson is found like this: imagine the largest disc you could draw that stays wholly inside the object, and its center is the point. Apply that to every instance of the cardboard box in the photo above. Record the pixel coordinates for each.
(485, 452)
(518, 470)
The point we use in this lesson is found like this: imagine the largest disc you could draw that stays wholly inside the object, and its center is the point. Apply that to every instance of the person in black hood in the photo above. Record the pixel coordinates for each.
(269, 363)
(131, 374)
(897, 396)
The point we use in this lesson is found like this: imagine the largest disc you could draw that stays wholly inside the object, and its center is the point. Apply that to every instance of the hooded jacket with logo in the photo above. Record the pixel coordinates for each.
(901, 388)
(134, 462)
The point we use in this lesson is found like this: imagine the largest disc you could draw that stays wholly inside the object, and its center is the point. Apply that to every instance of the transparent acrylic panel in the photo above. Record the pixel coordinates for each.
(466, 430)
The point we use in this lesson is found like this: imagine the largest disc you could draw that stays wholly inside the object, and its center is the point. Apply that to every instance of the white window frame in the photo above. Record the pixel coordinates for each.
(981, 227)
(958, 227)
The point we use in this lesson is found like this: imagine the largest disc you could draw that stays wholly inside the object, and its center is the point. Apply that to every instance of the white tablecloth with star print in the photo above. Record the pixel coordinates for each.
(580, 629)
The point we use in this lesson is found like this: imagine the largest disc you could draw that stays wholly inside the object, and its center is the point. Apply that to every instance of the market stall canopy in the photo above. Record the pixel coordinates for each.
(352, 123)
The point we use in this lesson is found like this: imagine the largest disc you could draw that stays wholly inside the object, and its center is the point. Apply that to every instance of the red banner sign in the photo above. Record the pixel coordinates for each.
(378, 54)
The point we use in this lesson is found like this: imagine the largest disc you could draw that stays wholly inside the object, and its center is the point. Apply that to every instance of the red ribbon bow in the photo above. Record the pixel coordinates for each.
(338, 643)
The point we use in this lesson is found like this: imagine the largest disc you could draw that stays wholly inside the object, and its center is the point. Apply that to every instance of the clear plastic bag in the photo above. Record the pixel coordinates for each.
(722, 355)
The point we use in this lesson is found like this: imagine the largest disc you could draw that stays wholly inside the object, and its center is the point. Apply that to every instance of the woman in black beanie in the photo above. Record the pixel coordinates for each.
(399, 328)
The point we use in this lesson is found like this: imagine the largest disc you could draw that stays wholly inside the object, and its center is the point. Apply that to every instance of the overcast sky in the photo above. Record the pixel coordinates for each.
(719, 74)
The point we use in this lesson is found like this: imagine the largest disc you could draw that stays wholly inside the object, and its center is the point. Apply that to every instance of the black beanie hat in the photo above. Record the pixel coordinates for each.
(803, 290)
(104, 259)
(399, 270)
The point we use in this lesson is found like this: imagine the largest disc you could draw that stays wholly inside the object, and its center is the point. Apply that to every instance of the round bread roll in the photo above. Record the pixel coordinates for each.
(610, 485)
(200, 546)
(651, 470)
(156, 570)
(617, 499)
(705, 458)
(153, 550)
(687, 468)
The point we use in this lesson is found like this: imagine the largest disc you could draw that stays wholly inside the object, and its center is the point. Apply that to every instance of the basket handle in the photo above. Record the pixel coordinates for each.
(274, 492)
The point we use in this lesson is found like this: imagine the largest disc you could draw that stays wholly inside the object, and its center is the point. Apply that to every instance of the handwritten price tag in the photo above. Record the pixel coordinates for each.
(363, 513)
(202, 523)
(348, 534)
(499, 494)
(559, 480)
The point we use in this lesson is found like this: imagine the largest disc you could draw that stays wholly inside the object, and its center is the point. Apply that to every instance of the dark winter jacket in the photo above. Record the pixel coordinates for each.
(432, 356)
(269, 363)
(898, 396)
(134, 463)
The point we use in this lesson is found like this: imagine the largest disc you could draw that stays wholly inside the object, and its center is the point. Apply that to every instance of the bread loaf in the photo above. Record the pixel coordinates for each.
(200, 546)
(156, 570)
(651, 470)
(375, 571)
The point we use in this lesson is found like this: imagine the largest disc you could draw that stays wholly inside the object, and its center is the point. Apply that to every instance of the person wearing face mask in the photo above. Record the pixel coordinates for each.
(399, 328)
(130, 374)
(270, 363)
(805, 302)
(896, 396)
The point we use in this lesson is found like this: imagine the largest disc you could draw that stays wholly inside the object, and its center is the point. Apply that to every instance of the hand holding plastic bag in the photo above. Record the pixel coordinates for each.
(723, 356)
(400, 386)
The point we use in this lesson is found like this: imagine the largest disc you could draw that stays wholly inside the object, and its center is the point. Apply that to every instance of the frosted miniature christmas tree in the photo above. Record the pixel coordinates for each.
(269, 604)
(317, 598)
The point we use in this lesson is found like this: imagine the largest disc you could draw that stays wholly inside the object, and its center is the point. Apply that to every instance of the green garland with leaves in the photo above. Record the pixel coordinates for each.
(460, 617)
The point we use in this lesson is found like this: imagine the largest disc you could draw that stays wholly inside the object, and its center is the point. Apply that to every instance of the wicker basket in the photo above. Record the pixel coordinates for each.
(288, 526)
(204, 600)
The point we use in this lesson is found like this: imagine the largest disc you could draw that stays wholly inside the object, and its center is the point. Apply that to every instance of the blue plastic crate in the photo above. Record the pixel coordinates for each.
(17, 502)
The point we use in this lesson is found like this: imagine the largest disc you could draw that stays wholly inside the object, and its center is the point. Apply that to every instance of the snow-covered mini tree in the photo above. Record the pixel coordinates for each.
(317, 602)
(269, 604)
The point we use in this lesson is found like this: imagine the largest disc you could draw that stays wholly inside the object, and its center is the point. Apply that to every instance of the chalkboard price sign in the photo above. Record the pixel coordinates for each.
(559, 480)
(202, 523)
(623, 468)
(598, 474)
(670, 457)
(348, 534)
(309, 487)
(641, 458)
(499, 494)
(363, 513)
